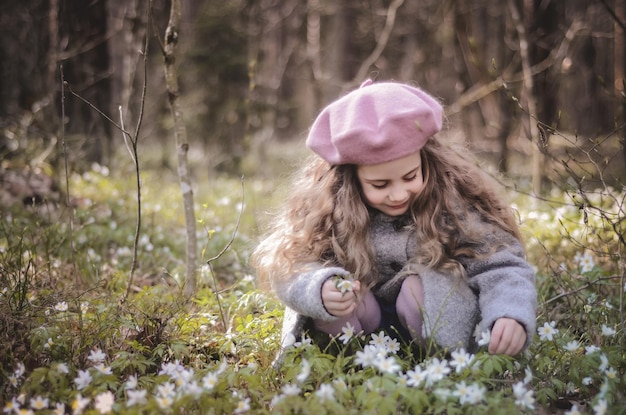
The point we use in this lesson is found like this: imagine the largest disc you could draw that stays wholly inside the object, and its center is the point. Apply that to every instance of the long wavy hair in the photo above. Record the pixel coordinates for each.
(325, 219)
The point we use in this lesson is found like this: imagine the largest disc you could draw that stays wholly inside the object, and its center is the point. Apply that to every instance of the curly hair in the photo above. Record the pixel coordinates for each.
(325, 219)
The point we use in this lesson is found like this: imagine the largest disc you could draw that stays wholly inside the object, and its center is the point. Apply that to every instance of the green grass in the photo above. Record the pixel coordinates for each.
(70, 346)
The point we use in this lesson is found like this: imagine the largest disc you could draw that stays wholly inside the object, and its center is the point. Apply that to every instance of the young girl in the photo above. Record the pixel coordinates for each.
(386, 228)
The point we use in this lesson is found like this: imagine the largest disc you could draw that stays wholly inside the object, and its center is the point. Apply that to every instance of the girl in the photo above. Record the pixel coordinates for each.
(386, 228)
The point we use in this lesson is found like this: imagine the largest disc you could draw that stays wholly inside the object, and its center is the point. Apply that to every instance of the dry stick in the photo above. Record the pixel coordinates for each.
(135, 156)
(382, 41)
(228, 245)
(67, 174)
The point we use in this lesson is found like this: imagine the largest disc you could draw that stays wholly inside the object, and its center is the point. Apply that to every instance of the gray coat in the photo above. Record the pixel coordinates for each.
(502, 284)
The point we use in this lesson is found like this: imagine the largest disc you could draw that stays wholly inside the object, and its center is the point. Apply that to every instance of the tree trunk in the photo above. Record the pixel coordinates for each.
(182, 145)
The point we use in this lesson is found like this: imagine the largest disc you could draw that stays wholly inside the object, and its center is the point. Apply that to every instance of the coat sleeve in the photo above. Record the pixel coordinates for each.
(302, 292)
(504, 281)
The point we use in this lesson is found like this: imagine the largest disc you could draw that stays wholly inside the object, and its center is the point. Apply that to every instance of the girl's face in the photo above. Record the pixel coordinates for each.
(390, 187)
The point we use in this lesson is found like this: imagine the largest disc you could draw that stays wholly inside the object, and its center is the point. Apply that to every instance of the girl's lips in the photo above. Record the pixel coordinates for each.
(400, 206)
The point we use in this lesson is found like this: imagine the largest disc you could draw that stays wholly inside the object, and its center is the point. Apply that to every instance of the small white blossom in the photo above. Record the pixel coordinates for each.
(461, 359)
(209, 381)
(572, 346)
(387, 364)
(243, 406)
(547, 331)
(367, 357)
(82, 380)
(437, 370)
(608, 331)
(136, 397)
(523, 397)
(38, 403)
(62, 306)
(485, 338)
(587, 381)
(529, 375)
(604, 362)
(96, 356)
(305, 372)
(591, 349)
(416, 376)
(291, 389)
(104, 402)
(325, 392)
(348, 333)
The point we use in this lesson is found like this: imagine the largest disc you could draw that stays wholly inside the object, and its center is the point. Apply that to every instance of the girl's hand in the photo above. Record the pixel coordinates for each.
(507, 337)
(339, 303)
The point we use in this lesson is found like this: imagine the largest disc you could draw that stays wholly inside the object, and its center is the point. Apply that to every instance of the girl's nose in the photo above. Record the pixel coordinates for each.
(398, 194)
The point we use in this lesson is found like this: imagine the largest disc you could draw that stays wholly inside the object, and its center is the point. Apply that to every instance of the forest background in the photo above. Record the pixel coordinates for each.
(535, 88)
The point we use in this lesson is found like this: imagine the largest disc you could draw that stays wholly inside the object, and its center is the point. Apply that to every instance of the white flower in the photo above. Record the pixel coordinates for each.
(547, 331)
(476, 394)
(587, 381)
(84, 307)
(62, 368)
(416, 376)
(59, 409)
(585, 262)
(611, 373)
(379, 341)
(572, 346)
(461, 359)
(12, 406)
(463, 392)
(19, 370)
(82, 380)
(437, 370)
(591, 349)
(38, 403)
(392, 345)
(62, 306)
(607, 331)
(604, 362)
(325, 392)
(131, 382)
(192, 388)
(166, 390)
(104, 402)
(573, 411)
(600, 407)
(136, 397)
(305, 372)
(344, 285)
(96, 356)
(367, 357)
(529, 375)
(105, 370)
(242, 406)
(209, 381)
(387, 364)
(79, 404)
(164, 402)
(485, 338)
(291, 389)
(348, 333)
(523, 397)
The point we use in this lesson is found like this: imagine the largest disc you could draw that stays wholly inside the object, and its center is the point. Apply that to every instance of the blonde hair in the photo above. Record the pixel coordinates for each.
(325, 220)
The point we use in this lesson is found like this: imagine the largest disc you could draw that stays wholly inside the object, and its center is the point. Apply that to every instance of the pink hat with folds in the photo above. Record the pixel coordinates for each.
(376, 123)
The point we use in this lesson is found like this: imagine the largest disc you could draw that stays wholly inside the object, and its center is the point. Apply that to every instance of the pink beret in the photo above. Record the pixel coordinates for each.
(376, 123)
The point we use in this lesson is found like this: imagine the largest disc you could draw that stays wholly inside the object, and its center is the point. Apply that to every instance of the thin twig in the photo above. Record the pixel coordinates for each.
(67, 173)
(582, 287)
(226, 247)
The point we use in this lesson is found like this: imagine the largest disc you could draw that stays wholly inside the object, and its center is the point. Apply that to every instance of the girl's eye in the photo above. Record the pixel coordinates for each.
(379, 186)
(411, 178)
